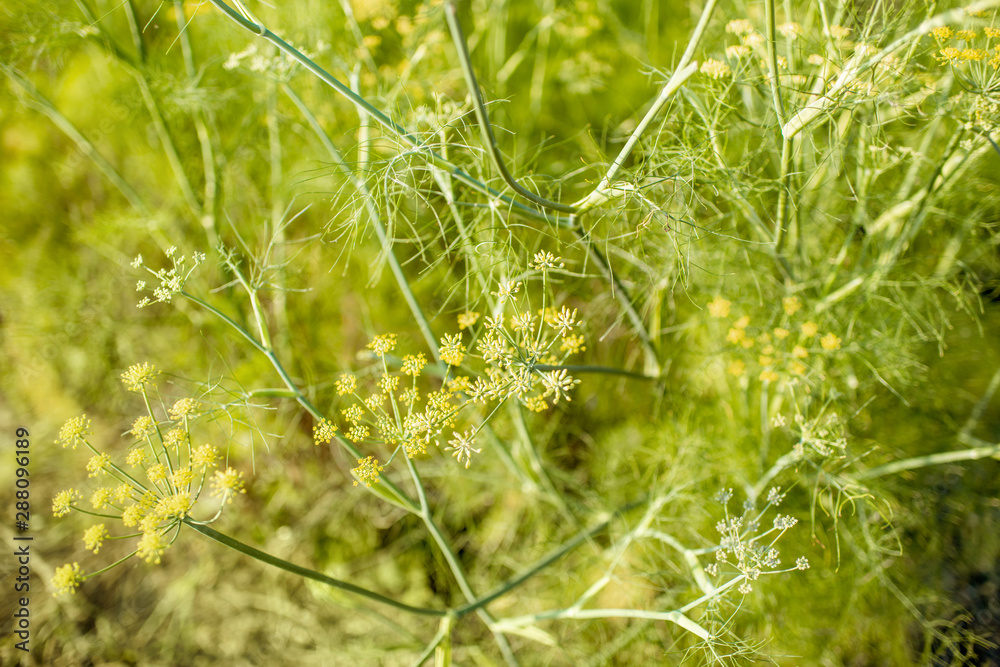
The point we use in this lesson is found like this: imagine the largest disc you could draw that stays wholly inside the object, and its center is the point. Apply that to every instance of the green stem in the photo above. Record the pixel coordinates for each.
(535, 466)
(307, 573)
(605, 370)
(685, 68)
(551, 558)
(201, 128)
(622, 295)
(443, 633)
(40, 103)
(458, 37)
(456, 568)
(781, 217)
(974, 454)
(772, 64)
(980, 408)
(400, 132)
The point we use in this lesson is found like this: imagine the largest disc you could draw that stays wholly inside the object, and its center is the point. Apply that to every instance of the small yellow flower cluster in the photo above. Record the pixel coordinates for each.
(518, 355)
(141, 426)
(138, 376)
(226, 484)
(546, 261)
(368, 471)
(452, 351)
(171, 281)
(324, 431)
(791, 30)
(468, 319)
(176, 475)
(715, 69)
(64, 501)
(401, 422)
(346, 384)
(94, 537)
(462, 448)
(67, 578)
(982, 60)
(186, 407)
(74, 431)
(382, 344)
(777, 350)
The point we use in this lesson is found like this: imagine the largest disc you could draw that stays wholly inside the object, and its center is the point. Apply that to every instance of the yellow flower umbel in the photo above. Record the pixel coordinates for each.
(94, 537)
(382, 344)
(323, 432)
(186, 407)
(67, 579)
(719, 307)
(138, 376)
(64, 501)
(791, 304)
(141, 426)
(467, 319)
(715, 69)
(368, 471)
(393, 408)
(74, 431)
(452, 350)
(152, 485)
(346, 384)
(227, 483)
(830, 342)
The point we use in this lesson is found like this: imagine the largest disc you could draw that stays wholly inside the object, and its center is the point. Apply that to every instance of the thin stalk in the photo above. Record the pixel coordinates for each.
(546, 561)
(258, 310)
(676, 617)
(433, 158)
(442, 653)
(375, 218)
(425, 514)
(535, 464)
(306, 573)
(432, 646)
(974, 454)
(772, 63)
(162, 131)
(980, 408)
(364, 132)
(622, 295)
(201, 128)
(40, 103)
(277, 242)
(456, 568)
(780, 219)
(458, 37)
(685, 68)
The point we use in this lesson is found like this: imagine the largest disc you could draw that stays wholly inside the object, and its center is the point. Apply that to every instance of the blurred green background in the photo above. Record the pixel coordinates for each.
(571, 80)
